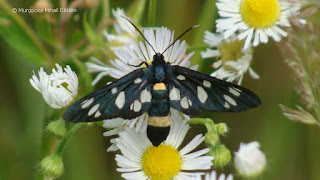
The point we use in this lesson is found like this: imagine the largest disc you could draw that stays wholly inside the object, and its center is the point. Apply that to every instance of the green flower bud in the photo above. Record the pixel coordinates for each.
(221, 128)
(222, 156)
(211, 139)
(52, 166)
(57, 128)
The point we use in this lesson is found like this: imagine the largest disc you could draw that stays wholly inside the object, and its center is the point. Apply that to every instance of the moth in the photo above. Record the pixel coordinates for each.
(157, 87)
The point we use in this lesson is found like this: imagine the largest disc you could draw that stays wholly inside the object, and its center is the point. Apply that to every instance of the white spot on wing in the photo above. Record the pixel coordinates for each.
(181, 77)
(202, 94)
(226, 105)
(190, 102)
(206, 83)
(138, 80)
(145, 96)
(120, 100)
(109, 82)
(184, 103)
(97, 114)
(230, 100)
(114, 90)
(93, 109)
(237, 89)
(174, 94)
(234, 92)
(131, 106)
(87, 103)
(136, 106)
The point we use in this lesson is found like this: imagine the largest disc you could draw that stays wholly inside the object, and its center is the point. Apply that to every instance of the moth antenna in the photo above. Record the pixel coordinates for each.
(180, 37)
(139, 32)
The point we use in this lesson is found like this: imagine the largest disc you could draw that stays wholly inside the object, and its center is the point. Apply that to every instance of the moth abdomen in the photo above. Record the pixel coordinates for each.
(158, 129)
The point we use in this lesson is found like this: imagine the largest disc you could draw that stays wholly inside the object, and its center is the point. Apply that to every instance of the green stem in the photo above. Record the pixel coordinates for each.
(203, 121)
(206, 21)
(67, 137)
(8, 9)
(198, 47)
(152, 13)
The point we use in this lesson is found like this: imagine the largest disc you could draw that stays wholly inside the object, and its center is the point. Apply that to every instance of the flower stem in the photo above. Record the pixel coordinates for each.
(66, 138)
(198, 47)
(206, 21)
(152, 13)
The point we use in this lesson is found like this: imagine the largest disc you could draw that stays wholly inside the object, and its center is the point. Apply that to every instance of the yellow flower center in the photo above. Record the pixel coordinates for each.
(231, 51)
(260, 13)
(161, 163)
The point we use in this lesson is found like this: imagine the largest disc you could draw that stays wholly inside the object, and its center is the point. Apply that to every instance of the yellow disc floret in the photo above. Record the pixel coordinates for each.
(231, 51)
(161, 163)
(260, 14)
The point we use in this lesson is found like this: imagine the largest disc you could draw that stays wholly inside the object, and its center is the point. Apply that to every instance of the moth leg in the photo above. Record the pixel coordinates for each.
(139, 65)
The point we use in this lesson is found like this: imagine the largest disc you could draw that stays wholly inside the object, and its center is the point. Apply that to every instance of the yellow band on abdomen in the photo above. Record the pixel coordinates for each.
(161, 121)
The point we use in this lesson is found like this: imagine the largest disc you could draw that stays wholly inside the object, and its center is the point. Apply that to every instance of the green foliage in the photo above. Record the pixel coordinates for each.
(23, 42)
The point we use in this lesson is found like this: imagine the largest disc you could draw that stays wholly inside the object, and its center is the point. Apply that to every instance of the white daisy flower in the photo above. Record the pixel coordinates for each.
(59, 88)
(124, 30)
(233, 61)
(134, 54)
(256, 20)
(141, 160)
(117, 125)
(250, 161)
(213, 176)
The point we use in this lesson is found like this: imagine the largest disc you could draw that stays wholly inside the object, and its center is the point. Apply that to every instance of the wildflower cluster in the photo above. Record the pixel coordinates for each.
(243, 24)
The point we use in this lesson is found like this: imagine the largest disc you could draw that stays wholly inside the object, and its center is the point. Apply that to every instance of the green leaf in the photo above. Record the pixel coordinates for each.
(91, 34)
(136, 10)
(43, 28)
(20, 40)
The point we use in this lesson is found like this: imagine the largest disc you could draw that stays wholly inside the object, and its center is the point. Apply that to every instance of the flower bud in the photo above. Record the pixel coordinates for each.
(211, 138)
(221, 128)
(249, 161)
(52, 166)
(57, 128)
(58, 88)
(222, 156)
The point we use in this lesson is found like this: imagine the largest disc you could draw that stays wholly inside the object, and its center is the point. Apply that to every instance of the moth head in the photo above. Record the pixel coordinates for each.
(158, 58)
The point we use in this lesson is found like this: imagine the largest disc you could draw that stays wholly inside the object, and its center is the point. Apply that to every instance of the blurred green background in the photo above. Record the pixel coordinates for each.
(292, 149)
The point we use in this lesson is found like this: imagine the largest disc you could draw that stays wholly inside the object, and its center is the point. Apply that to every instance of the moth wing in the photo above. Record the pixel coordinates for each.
(190, 91)
(128, 97)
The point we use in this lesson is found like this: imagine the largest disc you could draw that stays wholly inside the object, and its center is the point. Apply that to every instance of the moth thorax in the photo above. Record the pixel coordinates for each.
(158, 129)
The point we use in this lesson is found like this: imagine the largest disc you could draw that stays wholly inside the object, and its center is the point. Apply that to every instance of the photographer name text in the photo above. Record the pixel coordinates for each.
(44, 10)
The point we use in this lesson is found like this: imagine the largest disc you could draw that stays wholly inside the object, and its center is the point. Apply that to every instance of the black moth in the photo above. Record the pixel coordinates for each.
(155, 89)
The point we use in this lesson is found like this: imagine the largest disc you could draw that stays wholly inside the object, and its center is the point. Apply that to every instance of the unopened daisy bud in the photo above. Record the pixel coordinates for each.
(59, 88)
(221, 128)
(221, 154)
(57, 128)
(249, 161)
(52, 166)
(211, 138)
